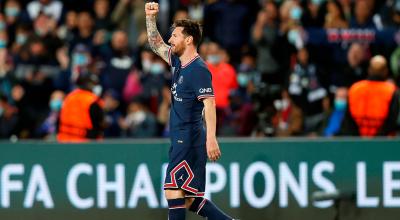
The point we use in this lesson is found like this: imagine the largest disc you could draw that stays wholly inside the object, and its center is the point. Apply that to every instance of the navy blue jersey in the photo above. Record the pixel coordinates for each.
(190, 84)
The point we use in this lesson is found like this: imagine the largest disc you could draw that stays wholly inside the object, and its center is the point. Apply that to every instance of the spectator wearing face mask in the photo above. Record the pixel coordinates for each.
(53, 8)
(154, 76)
(22, 35)
(71, 65)
(223, 80)
(338, 112)
(139, 121)
(242, 117)
(48, 128)
(288, 120)
(14, 16)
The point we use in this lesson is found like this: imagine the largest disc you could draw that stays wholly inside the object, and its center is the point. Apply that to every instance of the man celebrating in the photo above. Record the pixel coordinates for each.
(191, 93)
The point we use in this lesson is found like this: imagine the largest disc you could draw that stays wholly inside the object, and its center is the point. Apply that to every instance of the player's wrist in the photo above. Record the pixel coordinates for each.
(211, 136)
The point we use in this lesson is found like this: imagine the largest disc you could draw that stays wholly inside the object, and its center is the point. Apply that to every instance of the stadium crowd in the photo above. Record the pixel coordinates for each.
(279, 68)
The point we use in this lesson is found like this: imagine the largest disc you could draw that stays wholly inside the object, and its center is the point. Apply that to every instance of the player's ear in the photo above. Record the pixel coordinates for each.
(189, 40)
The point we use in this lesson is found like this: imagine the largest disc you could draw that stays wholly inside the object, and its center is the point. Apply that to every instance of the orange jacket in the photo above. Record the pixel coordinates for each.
(75, 118)
(369, 103)
(223, 81)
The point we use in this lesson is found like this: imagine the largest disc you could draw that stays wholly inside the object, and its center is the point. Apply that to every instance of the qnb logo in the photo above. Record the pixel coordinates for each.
(205, 90)
(174, 93)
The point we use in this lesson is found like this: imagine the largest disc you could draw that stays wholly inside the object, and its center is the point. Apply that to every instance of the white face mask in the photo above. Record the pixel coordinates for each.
(146, 65)
(97, 89)
(136, 118)
(281, 104)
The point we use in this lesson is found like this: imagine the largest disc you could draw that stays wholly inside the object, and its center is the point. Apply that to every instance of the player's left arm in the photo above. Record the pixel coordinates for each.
(213, 151)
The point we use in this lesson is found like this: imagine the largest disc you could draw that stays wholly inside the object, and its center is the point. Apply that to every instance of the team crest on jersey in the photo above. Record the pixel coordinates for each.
(180, 80)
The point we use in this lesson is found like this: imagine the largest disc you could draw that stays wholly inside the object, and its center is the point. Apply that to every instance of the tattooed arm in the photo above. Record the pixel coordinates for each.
(155, 40)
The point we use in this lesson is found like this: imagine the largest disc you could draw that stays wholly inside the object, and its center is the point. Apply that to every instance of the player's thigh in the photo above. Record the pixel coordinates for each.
(174, 193)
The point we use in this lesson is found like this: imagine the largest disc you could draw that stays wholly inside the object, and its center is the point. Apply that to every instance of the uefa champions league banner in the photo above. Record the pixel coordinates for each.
(255, 179)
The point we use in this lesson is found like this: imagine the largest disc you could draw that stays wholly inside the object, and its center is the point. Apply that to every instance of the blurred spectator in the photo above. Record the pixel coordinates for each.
(338, 112)
(67, 30)
(85, 31)
(354, 69)
(72, 65)
(334, 17)
(288, 120)
(139, 121)
(8, 118)
(119, 60)
(154, 76)
(48, 128)
(240, 118)
(362, 15)
(112, 114)
(265, 33)
(196, 10)
(181, 14)
(52, 8)
(102, 15)
(34, 73)
(45, 28)
(346, 6)
(129, 16)
(307, 92)
(163, 110)
(390, 14)
(223, 80)
(313, 13)
(82, 114)
(223, 20)
(22, 34)
(13, 16)
(7, 79)
(373, 103)
(395, 64)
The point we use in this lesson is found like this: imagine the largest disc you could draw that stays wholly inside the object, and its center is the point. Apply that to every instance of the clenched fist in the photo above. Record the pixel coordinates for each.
(151, 8)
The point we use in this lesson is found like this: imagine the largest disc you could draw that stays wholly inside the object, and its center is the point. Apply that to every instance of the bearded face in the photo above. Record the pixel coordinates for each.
(177, 41)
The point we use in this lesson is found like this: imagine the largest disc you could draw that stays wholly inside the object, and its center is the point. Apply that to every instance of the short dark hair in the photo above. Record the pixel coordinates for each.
(190, 28)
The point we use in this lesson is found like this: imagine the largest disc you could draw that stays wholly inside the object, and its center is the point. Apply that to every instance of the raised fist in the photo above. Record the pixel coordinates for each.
(151, 8)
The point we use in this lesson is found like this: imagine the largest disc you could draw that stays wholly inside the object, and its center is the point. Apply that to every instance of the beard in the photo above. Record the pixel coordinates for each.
(178, 49)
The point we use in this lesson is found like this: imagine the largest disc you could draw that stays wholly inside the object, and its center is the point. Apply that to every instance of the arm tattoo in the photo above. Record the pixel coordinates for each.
(155, 40)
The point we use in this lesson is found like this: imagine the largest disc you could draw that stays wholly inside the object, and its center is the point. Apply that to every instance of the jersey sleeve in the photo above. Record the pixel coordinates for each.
(202, 83)
(173, 60)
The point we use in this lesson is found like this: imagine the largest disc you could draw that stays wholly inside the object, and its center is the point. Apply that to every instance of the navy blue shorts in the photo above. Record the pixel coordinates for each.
(187, 170)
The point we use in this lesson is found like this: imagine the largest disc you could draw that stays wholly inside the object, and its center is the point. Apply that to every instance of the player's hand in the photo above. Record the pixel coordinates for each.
(151, 8)
(213, 151)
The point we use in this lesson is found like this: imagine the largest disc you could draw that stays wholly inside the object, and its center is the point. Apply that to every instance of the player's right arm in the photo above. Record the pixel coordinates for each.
(156, 42)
